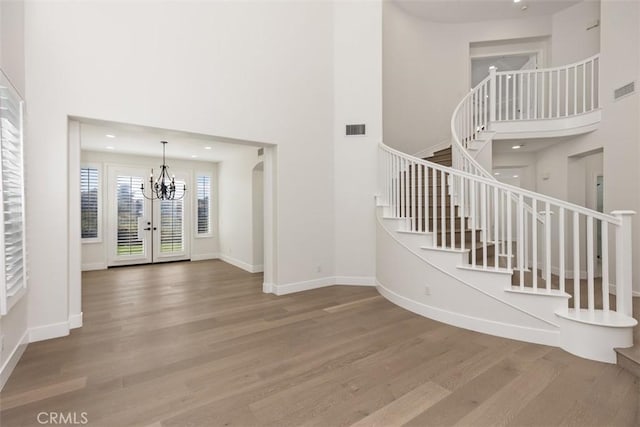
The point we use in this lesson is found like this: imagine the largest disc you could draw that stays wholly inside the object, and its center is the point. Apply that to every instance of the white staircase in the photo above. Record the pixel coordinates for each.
(455, 245)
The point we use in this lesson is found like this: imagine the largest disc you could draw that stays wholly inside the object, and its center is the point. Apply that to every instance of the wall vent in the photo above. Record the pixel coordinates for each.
(260, 152)
(355, 129)
(625, 90)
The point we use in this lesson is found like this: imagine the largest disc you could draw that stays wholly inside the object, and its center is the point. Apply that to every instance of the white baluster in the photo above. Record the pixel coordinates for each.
(558, 93)
(452, 216)
(520, 251)
(566, 92)
(414, 207)
(575, 90)
(483, 212)
(534, 242)
(496, 212)
(509, 231)
(420, 196)
(576, 261)
(472, 221)
(463, 211)
(590, 262)
(584, 87)
(520, 96)
(443, 212)
(434, 206)
(604, 236)
(547, 243)
(561, 248)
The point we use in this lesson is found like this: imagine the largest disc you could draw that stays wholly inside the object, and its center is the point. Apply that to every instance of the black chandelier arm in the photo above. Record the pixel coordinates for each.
(160, 189)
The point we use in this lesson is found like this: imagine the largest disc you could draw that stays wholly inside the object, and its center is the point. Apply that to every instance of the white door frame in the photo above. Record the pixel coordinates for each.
(75, 242)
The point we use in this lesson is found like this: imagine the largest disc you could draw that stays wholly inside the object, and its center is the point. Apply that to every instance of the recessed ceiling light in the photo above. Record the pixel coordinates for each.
(515, 176)
(110, 135)
(515, 147)
(109, 147)
(497, 174)
(516, 1)
(193, 156)
(525, 7)
(207, 148)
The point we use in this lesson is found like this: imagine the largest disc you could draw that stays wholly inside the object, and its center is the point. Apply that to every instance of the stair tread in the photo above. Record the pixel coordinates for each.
(598, 317)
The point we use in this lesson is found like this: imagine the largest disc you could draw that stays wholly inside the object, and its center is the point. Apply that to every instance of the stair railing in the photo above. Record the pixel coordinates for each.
(547, 93)
(564, 247)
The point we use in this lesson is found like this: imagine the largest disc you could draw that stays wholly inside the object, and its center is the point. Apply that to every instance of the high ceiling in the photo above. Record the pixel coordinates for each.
(138, 140)
(457, 11)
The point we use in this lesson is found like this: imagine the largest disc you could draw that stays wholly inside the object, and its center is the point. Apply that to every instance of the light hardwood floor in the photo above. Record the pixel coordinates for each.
(199, 344)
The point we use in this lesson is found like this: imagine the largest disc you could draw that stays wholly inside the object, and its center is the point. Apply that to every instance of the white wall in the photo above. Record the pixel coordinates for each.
(255, 71)
(94, 255)
(13, 326)
(426, 71)
(357, 79)
(235, 178)
(571, 42)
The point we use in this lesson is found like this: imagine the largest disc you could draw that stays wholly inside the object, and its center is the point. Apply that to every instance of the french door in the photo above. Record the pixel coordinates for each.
(143, 231)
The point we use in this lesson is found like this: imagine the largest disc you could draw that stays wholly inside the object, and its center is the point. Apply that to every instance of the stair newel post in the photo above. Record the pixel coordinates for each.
(624, 260)
(492, 94)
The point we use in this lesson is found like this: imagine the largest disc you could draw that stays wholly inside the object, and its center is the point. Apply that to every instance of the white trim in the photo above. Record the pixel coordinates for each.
(241, 264)
(323, 282)
(519, 333)
(75, 321)
(546, 128)
(90, 266)
(205, 256)
(13, 359)
(46, 332)
(267, 288)
(355, 280)
(305, 285)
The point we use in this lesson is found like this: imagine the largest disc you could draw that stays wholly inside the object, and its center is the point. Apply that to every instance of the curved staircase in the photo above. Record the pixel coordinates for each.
(456, 245)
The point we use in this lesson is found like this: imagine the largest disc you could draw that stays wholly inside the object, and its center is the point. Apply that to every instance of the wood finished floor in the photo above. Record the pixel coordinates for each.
(199, 344)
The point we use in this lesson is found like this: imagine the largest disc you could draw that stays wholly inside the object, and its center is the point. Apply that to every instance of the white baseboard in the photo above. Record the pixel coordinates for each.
(355, 280)
(506, 330)
(306, 285)
(75, 321)
(11, 362)
(241, 264)
(90, 266)
(322, 282)
(267, 288)
(202, 257)
(46, 332)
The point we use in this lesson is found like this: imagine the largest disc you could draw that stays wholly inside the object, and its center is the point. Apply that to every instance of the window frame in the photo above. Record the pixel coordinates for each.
(99, 238)
(196, 233)
(8, 301)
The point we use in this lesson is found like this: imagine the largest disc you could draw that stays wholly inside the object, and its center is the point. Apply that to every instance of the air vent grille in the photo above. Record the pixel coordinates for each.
(355, 129)
(625, 90)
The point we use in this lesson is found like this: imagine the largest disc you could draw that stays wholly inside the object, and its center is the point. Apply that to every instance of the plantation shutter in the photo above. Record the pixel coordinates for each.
(130, 213)
(171, 222)
(12, 183)
(203, 190)
(89, 202)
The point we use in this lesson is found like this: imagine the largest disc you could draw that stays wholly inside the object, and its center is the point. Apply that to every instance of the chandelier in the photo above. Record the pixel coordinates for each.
(164, 186)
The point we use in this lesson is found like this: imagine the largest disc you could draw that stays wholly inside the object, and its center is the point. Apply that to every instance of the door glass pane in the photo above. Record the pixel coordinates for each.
(172, 222)
(130, 211)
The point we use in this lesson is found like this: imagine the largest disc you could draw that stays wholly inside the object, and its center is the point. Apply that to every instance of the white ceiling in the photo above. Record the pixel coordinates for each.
(138, 140)
(527, 145)
(456, 11)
